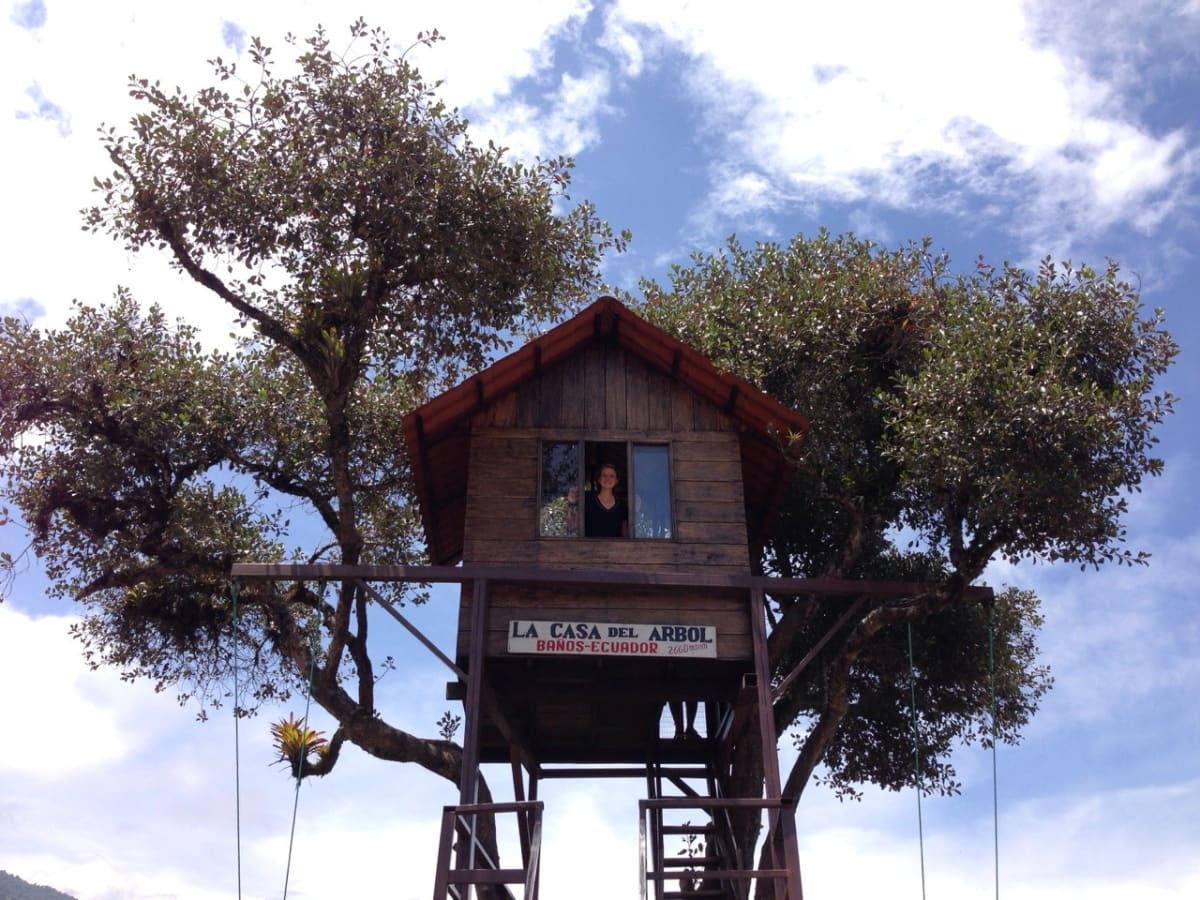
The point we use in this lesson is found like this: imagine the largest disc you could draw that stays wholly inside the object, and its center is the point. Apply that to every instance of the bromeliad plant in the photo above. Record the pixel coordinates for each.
(301, 747)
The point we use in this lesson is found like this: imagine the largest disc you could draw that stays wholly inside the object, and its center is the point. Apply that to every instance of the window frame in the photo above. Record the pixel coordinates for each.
(631, 448)
(630, 483)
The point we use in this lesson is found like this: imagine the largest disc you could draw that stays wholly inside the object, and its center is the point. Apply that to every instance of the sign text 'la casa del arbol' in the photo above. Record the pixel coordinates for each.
(611, 639)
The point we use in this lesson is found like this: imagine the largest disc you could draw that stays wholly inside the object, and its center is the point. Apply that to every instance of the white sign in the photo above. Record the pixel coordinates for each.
(612, 639)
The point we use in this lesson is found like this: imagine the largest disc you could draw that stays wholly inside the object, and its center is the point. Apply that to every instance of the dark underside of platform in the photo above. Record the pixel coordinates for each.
(600, 710)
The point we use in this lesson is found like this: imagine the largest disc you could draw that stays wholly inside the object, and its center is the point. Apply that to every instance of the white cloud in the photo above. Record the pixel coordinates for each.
(911, 105)
(489, 46)
(80, 729)
(74, 68)
(565, 121)
(1094, 846)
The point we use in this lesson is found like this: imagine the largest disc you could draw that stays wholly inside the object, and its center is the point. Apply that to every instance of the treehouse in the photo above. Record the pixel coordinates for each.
(600, 496)
(608, 488)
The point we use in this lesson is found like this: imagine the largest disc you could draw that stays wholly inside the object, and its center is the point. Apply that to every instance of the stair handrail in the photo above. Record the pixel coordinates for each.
(784, 809)
(454, 819)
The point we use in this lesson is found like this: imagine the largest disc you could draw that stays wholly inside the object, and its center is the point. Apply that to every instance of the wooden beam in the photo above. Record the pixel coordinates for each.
(412, 629)
(849, 587)
(811, 655)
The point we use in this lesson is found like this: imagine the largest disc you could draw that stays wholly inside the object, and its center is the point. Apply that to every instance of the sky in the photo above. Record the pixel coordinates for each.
(1067, 128)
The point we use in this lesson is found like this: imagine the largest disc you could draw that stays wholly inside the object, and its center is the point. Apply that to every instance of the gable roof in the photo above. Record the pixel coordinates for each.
(438, 433)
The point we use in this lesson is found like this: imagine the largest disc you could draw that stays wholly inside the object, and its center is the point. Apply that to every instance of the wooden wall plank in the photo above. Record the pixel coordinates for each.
(712, 532)
(600, 553)
(727, 470)
(637, 403)
(574, 402)
(683, 417)
(500, 490)
(486, 467)
(652, 435)
(503, 444)
(528, 404)
(631, 598)
(725, 492)
(517, 524)
(550, 395)
(658, 397)
(615, 411)
(718, 446)
(594, 387)
(708, 511)
(503, 412)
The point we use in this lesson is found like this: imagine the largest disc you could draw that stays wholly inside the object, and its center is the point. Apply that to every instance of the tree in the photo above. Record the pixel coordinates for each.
(371, 252)
(954, 420)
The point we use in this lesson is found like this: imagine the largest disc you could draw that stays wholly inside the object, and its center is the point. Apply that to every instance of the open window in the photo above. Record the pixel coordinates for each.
(569, 473)
(561, 489)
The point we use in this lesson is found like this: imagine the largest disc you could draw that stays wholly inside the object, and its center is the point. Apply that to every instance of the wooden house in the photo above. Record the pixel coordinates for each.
(582, 669)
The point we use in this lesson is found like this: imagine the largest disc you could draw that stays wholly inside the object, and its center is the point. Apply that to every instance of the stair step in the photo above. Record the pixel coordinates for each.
(682, 862)
(689, 829)
(698, 892)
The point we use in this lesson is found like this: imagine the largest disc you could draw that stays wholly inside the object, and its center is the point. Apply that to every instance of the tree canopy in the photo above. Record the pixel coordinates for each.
(371, 252)
(955, 419)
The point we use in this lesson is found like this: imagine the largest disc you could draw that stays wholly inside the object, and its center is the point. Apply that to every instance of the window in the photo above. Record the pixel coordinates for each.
(560, 493)
(651, 491)
(571, 475)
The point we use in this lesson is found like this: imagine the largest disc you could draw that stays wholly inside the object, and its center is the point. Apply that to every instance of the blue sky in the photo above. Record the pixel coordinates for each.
(1011, 130)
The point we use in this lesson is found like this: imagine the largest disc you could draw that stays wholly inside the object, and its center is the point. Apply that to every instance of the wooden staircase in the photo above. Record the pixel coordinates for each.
(686, 836)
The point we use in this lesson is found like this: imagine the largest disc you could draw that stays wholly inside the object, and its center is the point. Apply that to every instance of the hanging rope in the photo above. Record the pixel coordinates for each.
(995, 789)
(237, 763)
(312, 669)
(912, 680)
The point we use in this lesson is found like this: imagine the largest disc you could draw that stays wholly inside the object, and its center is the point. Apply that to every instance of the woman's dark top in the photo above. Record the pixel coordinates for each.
(601, 522)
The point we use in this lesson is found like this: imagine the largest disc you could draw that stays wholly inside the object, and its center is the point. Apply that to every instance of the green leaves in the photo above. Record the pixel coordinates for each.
(372, 252)
(950, 662)
(1033, 416)
(953, 419)
(996, 412)
(348, 196)
(827, 325)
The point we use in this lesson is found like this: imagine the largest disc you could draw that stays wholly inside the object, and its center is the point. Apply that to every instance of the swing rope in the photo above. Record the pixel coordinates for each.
(995, 789)
(912, 680)
(237, 763)
(312, 670)
(994, 729)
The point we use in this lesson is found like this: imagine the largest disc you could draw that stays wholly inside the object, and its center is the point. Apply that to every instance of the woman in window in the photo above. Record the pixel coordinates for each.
(604, 511)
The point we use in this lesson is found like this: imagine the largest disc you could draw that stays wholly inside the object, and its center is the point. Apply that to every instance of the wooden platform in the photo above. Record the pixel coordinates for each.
(601, 711)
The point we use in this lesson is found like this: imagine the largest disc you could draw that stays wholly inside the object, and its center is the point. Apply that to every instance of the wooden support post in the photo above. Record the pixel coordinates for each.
(441, 882)
(469, 782)
(791, 850)
(469, 779)
(766, 714)
(519, 795)
(781, 825)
